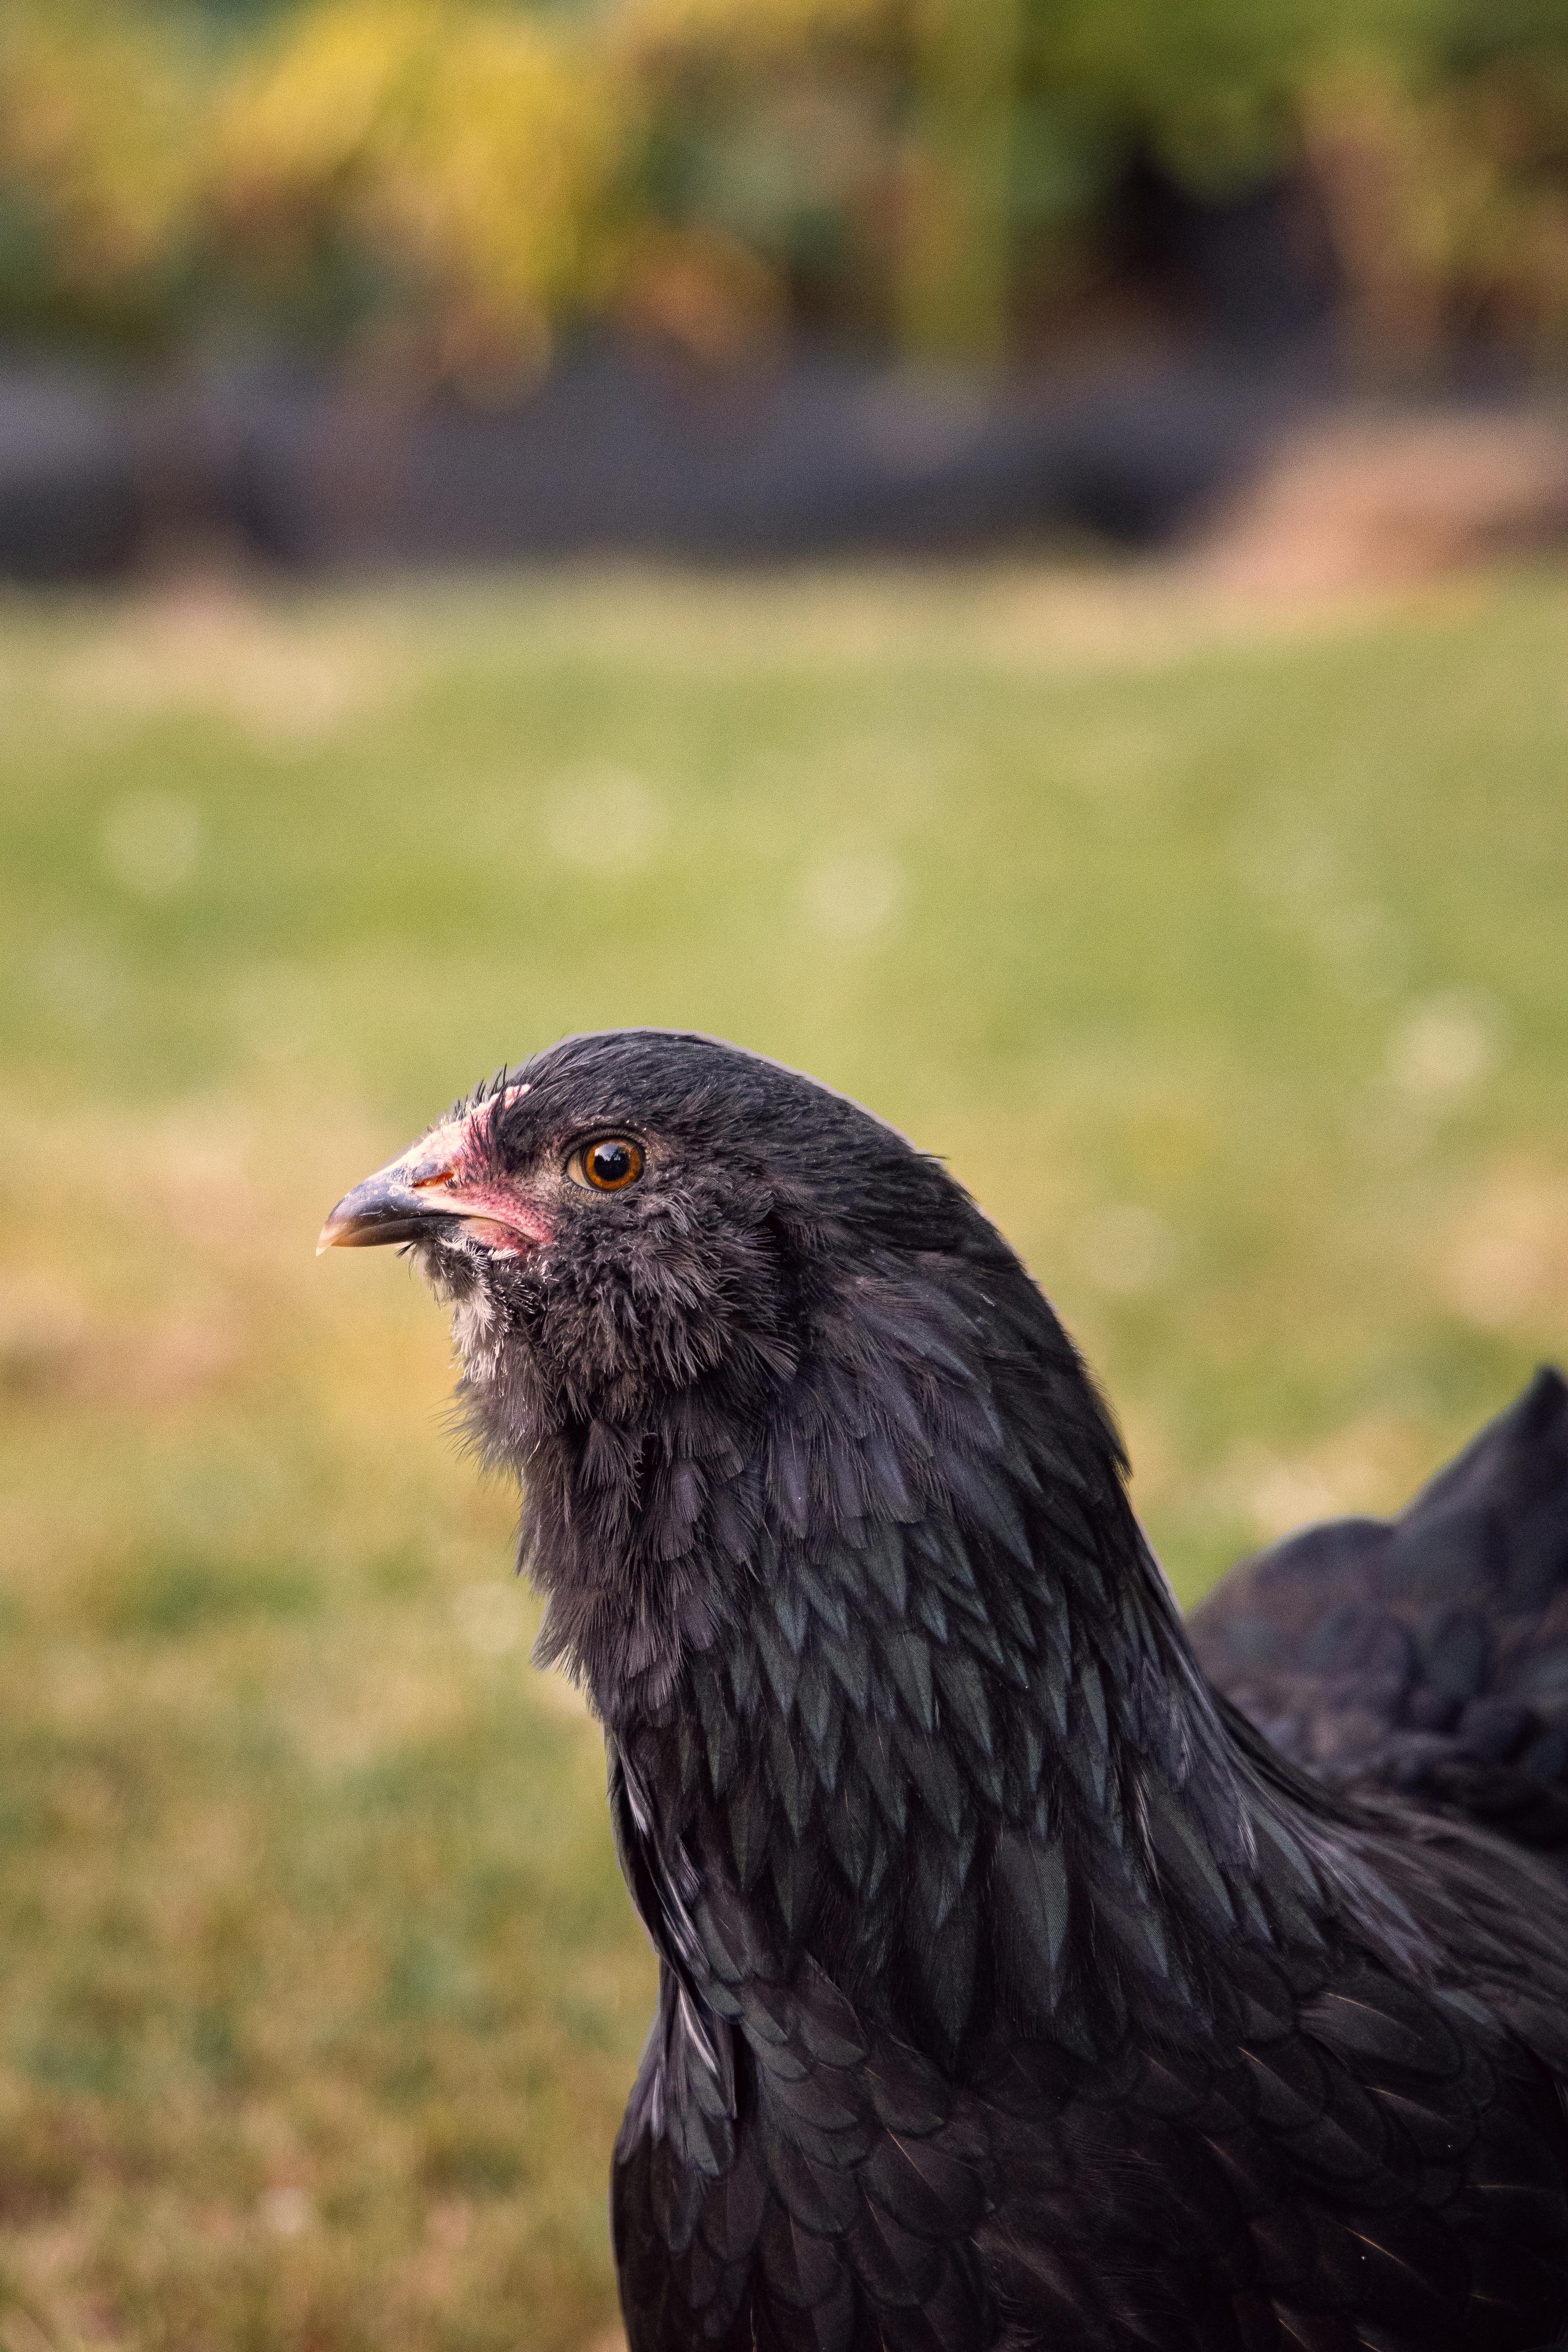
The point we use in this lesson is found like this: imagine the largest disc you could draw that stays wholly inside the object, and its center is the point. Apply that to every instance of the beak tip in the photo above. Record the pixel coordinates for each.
(333, 1232)
(379, 1210)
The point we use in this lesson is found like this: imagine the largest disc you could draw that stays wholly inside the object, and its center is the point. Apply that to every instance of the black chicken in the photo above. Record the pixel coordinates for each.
(1021, 1984)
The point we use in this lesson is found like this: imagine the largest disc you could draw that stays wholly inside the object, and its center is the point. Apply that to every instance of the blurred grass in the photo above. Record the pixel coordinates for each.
(1222, 952)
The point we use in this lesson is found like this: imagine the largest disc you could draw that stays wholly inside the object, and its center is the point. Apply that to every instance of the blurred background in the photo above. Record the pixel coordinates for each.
(350, 281)
(1009, 554)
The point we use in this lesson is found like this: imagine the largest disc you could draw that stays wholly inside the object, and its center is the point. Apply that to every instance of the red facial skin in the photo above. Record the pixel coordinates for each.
(451, 1168)
(448, 1172)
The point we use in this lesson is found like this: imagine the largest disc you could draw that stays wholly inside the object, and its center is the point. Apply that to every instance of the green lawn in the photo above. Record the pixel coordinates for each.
(1226, 957)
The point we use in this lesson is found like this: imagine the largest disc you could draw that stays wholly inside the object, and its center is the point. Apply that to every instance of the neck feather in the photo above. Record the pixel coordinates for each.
(893, 1680)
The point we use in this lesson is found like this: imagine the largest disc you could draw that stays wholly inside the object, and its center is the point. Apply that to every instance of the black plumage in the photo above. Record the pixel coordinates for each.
(1024, 1982)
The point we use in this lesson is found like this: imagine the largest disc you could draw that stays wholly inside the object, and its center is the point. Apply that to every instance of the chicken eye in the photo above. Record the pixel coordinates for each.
(611, 1164)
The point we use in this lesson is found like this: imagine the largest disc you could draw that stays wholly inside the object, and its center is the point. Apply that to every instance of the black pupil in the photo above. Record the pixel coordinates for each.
(609, 1164)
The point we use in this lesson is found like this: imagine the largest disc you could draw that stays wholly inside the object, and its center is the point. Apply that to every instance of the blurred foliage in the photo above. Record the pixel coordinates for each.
(1223, 957)
(1449, 200)
(98, 112)
(434, 185)
(427, 170)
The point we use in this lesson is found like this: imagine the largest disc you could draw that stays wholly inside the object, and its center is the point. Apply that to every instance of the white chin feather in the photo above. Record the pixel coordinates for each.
(475, 1330)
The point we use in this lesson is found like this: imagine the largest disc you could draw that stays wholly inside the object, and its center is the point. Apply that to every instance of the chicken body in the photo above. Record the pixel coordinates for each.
(1015, 1990)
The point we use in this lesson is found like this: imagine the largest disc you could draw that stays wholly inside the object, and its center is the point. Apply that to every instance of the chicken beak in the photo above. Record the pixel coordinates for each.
(398, 1204)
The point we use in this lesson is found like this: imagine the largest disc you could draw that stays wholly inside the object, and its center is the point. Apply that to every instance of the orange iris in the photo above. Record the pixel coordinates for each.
(612, 1164)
